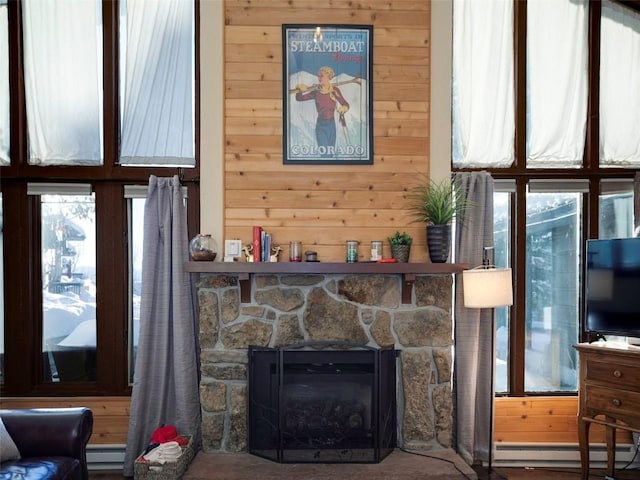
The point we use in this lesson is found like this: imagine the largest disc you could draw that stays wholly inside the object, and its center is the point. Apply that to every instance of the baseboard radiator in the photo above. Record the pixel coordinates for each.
(559, 455)
(105, 457)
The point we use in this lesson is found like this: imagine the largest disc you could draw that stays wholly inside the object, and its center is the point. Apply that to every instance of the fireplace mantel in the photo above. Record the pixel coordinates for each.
(244, 270)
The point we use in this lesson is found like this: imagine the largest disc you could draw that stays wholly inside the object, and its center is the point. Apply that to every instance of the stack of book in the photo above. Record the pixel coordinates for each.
(261, 245)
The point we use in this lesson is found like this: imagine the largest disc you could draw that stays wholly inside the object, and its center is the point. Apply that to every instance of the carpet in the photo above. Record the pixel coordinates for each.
(399, 465)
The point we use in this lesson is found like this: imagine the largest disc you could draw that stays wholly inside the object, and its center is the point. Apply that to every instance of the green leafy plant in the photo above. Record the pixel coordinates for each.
(436, 203)
(400, 238)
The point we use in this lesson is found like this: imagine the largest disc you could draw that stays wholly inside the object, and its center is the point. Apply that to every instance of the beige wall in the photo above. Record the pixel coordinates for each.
(211, 116)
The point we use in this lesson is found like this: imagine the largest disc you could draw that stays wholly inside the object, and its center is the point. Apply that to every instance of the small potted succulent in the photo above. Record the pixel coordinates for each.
(400, 246)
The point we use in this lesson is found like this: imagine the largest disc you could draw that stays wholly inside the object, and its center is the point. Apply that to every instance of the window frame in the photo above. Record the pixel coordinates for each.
(518, 172)
(23, 295)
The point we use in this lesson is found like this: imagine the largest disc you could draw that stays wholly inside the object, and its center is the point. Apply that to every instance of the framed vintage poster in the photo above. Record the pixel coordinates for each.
(327, 94)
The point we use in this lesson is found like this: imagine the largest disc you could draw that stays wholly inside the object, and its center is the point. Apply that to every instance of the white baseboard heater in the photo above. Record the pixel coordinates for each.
(105, 457)
(560, 455)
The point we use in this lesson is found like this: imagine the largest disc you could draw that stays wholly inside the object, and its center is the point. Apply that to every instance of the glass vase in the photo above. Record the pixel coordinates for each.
(203, 247)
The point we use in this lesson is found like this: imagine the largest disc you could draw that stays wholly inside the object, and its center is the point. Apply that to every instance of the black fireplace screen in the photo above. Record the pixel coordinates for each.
(322, 403)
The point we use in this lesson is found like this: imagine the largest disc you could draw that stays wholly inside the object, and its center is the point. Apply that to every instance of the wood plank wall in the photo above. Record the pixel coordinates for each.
(324, 205)
(544, 420)
(110, 414)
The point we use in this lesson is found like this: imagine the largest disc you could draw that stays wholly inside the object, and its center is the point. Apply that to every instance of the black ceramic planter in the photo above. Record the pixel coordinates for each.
(439, 242)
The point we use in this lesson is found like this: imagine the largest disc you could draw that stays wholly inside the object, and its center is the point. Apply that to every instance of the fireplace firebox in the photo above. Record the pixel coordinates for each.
(322, 402)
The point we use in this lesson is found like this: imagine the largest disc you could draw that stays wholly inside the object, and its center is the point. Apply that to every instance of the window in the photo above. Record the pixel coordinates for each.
(157, 49)
(1, 298)
(4, 84)
(615, 207)
(502, 254)
(136, 234)
(72, 230)
(68, 253)
(619, 95)
(552, 256)
(563, 155)
(63, 81)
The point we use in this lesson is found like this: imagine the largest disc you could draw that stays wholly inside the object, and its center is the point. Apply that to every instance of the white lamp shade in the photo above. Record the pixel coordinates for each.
(487, 287)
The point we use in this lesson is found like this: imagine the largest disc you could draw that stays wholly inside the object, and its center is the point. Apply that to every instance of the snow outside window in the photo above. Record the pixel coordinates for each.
(68, 256)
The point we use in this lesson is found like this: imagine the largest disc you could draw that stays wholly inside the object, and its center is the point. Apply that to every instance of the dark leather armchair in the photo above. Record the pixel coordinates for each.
(52, 442)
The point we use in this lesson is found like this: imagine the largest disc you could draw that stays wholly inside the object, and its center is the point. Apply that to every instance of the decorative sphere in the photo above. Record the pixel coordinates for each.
(203, 248)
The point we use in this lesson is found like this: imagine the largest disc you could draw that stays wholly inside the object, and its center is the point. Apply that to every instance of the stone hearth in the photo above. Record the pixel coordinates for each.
(288, 308)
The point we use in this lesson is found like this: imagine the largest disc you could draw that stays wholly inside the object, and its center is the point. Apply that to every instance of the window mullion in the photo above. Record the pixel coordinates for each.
(17, 105)
(517, 326)
(112, 281)
(110, 29)
(520, 79)
(592, 140)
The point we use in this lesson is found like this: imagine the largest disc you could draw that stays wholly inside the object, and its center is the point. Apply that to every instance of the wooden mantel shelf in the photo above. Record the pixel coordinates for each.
(244, 270)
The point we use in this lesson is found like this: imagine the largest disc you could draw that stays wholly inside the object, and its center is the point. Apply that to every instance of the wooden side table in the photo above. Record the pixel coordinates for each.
(609, 395)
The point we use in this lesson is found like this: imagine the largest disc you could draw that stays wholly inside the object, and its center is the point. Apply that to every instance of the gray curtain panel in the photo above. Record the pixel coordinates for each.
(165, 388)
(636, 205)
(473, 360)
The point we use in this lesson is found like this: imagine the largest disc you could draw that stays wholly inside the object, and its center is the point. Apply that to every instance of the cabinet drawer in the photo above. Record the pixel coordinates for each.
(613, 374)
(608, 401)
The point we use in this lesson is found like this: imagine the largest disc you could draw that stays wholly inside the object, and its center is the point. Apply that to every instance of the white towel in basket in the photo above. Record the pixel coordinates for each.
(165, 452)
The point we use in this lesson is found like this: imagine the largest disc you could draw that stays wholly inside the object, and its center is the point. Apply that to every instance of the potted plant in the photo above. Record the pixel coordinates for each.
(400, 246)
(437, 203)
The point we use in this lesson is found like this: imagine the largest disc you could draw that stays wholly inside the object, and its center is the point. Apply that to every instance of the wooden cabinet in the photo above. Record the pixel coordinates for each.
(609, 395)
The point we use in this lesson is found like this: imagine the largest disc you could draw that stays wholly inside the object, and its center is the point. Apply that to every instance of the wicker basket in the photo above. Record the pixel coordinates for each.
(145, 470)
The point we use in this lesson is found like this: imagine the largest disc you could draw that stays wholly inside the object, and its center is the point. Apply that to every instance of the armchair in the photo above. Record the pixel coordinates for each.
(52, 442)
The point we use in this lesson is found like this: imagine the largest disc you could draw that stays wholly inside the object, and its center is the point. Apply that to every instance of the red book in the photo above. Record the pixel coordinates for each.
(257, 244)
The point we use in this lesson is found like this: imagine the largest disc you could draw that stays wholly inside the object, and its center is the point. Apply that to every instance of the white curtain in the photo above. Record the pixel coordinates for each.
(619, 87)
(473, 329)
(557, 82)
(165, 387)
(157, 82)
(4, 85)
(483, 91)
(63, 81)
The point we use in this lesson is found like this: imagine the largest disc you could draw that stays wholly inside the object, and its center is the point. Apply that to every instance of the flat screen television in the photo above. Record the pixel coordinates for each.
(612, 299)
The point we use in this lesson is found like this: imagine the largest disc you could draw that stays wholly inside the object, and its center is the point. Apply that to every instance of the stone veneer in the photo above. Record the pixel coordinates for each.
(288, 309)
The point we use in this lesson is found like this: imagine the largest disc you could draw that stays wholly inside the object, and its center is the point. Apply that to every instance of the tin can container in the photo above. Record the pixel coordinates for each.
(352, 251)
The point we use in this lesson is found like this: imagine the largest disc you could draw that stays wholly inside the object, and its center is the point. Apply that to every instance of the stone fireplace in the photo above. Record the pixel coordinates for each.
(286, 309)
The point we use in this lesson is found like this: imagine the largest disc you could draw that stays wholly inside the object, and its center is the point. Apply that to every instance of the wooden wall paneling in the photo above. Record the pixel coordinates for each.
(110, 414)
(544, 419)
(324, 205)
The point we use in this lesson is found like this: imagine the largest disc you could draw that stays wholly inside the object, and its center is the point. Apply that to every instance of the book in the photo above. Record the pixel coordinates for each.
(266, 247)
(257, 243)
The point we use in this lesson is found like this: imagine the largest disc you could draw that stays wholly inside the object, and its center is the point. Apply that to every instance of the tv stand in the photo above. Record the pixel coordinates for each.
(609, 395)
